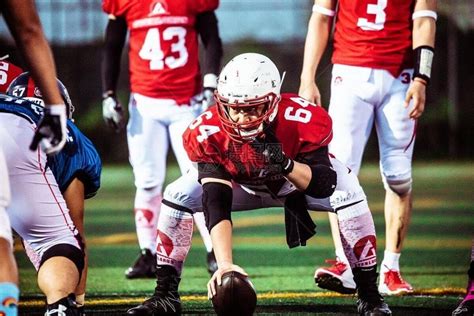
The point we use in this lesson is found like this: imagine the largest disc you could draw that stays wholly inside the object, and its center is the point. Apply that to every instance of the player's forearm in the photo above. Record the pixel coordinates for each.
(26, 28)
(424, 27)
(315, 45)
(300, 176)
(115, 35)
(424, 30)
(208, 30)
(221, 235)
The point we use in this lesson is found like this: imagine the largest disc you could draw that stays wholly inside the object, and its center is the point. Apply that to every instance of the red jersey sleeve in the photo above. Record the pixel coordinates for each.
(201, 139)
(8, 72)
(301, 125)
(116, 7)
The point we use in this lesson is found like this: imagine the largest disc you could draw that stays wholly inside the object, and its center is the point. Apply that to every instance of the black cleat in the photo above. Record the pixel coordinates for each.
(165, 300)
(211, 263)
(66, 306)
(144, 266)
(465, 308)
(370, 302)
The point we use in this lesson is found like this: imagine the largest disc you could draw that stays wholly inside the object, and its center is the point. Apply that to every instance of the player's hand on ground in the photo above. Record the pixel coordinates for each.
(310, 92)
(113, 113)
(51, 130)
(417, 93)
(216, 278)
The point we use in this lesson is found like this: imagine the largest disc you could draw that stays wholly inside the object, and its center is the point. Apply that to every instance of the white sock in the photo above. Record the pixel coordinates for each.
(341, 256)
(390, 261)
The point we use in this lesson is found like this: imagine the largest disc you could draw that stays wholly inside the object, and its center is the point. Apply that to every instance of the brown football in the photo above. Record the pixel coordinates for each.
(235, 296)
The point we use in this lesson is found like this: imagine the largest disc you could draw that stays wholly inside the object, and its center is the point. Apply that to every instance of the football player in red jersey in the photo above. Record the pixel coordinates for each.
(383, 52)
(258, 148)
(167, 93)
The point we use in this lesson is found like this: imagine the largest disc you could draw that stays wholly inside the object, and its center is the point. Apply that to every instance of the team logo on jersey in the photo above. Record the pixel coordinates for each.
(37, 92)
(158, 8)
(337, 80)
(364, 249)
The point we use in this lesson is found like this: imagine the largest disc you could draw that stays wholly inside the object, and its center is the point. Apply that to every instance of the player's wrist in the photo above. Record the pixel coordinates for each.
(420, 80)
(108, 93)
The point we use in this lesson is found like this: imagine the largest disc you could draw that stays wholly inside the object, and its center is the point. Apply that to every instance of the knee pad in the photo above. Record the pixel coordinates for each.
(400, 187)
(71, 252)
(148, 194)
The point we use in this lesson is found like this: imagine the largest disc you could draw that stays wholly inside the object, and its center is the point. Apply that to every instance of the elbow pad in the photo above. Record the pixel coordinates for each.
(216, 203)
(323, 182)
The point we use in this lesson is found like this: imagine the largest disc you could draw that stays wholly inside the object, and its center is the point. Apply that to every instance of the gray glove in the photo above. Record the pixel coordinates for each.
(113, 112)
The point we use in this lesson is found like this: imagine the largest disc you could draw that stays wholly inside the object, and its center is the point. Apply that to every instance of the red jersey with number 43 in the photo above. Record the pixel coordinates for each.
(300, 126)
(163, 53)
(8, 72)
(375, 34)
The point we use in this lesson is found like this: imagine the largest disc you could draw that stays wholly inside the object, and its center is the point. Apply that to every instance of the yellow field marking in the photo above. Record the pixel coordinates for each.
(31, 303)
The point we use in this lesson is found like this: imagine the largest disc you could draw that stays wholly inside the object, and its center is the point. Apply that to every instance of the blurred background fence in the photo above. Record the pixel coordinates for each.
(277, 28)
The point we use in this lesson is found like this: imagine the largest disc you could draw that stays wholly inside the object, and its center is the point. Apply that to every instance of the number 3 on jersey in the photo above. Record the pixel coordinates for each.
(204, 130)
(377, 9)
(151, 49)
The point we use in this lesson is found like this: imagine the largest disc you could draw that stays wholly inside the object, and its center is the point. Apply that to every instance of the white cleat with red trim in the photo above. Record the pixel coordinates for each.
(337, 277)
(392, 283)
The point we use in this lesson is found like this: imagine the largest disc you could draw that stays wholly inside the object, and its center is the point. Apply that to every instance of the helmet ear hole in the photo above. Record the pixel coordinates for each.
(24, 87)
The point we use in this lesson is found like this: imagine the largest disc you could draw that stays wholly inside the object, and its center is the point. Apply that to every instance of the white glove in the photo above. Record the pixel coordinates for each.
(51, 130)
(113, 113)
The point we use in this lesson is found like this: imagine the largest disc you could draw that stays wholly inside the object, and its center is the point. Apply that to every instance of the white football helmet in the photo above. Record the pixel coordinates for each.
(248, 80)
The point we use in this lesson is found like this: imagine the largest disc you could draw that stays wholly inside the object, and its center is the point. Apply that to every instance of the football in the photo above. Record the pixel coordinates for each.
(235, 296)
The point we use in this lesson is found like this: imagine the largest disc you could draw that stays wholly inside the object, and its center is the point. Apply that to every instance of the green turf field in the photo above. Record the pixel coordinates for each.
(435, 258)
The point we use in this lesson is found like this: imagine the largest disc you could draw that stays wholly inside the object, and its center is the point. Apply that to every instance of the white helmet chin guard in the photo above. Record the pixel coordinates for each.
(249, 80)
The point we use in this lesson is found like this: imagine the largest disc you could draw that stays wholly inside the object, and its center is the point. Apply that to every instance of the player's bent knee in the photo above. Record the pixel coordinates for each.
(400, 187)
(71, 252)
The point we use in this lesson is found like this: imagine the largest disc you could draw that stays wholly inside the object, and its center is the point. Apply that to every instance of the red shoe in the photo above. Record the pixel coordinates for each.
(338, 277)
(392, 283)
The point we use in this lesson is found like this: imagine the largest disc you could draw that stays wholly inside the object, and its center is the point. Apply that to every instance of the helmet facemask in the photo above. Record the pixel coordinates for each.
(250, 84)
(263, 108)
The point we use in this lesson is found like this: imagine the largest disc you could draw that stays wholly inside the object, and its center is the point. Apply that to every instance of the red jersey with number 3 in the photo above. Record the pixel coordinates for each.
(375, 34)
(8, 72)
(300, 126)
(163, 41)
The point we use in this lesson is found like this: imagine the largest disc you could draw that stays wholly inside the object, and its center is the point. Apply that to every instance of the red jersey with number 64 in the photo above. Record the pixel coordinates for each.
(375, 34)
(163, 53)
(8, 72)
(300, 126)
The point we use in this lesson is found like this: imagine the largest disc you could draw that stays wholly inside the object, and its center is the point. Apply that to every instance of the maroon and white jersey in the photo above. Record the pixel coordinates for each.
(300, 126)
(163, 42)
(375, 34)
(8, 72)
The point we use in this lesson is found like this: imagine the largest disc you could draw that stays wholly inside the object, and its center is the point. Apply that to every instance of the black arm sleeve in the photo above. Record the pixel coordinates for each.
(115, 35)
(216, 203)
(206, 26)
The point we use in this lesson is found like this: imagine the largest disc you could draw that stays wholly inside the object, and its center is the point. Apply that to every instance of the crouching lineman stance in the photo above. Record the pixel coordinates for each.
(260, 149)
(76, 168)
(38, 211)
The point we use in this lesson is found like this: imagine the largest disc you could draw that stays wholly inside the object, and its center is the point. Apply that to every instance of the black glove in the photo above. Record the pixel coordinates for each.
(51, 130)
(273, 151)
(112, 111)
